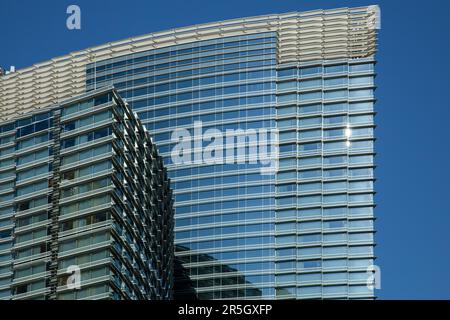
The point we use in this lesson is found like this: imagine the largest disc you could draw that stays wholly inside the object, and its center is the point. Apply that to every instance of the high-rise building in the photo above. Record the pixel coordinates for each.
(85, 204)
(304, 230)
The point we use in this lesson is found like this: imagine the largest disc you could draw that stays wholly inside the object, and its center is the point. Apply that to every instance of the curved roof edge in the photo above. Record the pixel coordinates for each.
(302, 36)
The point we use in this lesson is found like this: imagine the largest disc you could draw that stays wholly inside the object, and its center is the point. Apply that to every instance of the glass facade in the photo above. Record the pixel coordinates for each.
(324, 188)
(304, 232)
(84, 196)
(225, 214)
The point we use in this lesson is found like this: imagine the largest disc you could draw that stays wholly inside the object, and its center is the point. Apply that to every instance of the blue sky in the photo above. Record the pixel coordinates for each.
(413, 111)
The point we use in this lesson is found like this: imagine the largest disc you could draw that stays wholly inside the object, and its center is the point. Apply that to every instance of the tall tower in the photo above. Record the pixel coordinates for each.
(85, 205)
(302, 231)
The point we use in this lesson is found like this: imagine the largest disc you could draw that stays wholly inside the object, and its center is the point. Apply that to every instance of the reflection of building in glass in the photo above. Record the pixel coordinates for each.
(306, 232)
(235, 282)
(84, 199)
(184, 286)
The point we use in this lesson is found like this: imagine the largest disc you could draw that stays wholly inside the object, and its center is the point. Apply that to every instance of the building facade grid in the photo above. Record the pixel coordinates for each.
(84, 190)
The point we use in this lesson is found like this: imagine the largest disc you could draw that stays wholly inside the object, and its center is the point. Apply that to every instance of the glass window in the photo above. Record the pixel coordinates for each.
(333, 133)
(285, 163)
(361, 172)
(337, 94)
(361, 198)
(335, 250)
(361, 106)
(304, 84)
(360, 159)
(33, 156)
(310, 161)
(334, 173)
(283, 227)
(307, 187)
(285, 239)
(335, 120)
(301, 252)
(334, 185)
(336, 69)
(309, 226)
(361, 144)
(289, 123)
(310, 134)
(287, 85)
(310, 71)
(6, 151)
(361, 93)
(334, 160)
(309, 277)
(335, 107)
(287, 98)
(287, 135)
(287, 72)
(310, 96)
(309, 238)
(310, 264)
(308, 200)
(327, 146)
(335, 211)
(310, 174)
(360, 224)
(335, 263)
(286, 175)
(336, 82)
(335, 290)
(360, 263)
(309, 213)
(287, 110)
(361, 67)
(310, 121)
(310, 108)
(334, 198)
(361, 80)
(361, 185)
(286, 188)
(309, 147)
